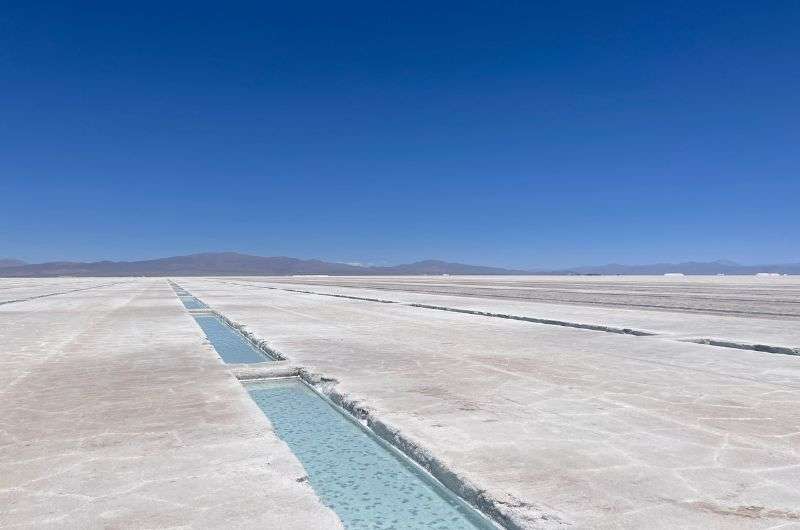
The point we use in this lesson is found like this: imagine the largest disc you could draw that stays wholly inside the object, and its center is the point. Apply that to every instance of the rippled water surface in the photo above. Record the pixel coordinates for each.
(190, 302)
(364, 482)
(231, 345)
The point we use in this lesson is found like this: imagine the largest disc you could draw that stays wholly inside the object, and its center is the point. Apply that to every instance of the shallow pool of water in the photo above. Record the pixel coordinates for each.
(231, 345)
(190, 302)
(366, 483)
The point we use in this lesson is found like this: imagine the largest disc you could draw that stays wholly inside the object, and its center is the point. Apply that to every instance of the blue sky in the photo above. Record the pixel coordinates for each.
(524, 134)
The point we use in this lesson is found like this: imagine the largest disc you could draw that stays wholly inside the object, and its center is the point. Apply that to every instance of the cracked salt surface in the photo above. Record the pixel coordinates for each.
(364, 482)
(668, 330)
(114, 415)
(556, 426)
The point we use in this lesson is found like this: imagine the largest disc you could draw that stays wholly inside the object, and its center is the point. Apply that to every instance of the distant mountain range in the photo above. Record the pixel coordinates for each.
(689, 267)
(10, 262)
(232, 263)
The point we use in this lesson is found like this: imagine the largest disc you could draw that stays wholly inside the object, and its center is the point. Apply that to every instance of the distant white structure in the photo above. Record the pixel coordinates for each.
(767, 274)
(674, 274)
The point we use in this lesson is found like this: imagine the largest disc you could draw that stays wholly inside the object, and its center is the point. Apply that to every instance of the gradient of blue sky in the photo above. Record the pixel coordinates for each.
(511, 133)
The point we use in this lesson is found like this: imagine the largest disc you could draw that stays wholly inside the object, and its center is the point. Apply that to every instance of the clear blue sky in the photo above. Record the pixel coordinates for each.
(508, 133)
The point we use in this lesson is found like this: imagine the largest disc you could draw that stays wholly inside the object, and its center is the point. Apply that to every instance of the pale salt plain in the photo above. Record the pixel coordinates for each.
(582, 402)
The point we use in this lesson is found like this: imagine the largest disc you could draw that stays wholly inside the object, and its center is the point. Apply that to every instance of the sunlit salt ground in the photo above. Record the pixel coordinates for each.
(366, 484)
(230, 344)
(556, 426)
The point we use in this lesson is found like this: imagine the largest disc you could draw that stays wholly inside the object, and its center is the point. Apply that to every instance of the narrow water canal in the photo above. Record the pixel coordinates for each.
(367, 484)
(190, 302)
(231, 345)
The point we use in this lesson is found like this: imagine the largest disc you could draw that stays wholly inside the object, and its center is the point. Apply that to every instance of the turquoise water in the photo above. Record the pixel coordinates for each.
(190, 302)
(180, 291)
(231, 345)
(364, 482)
